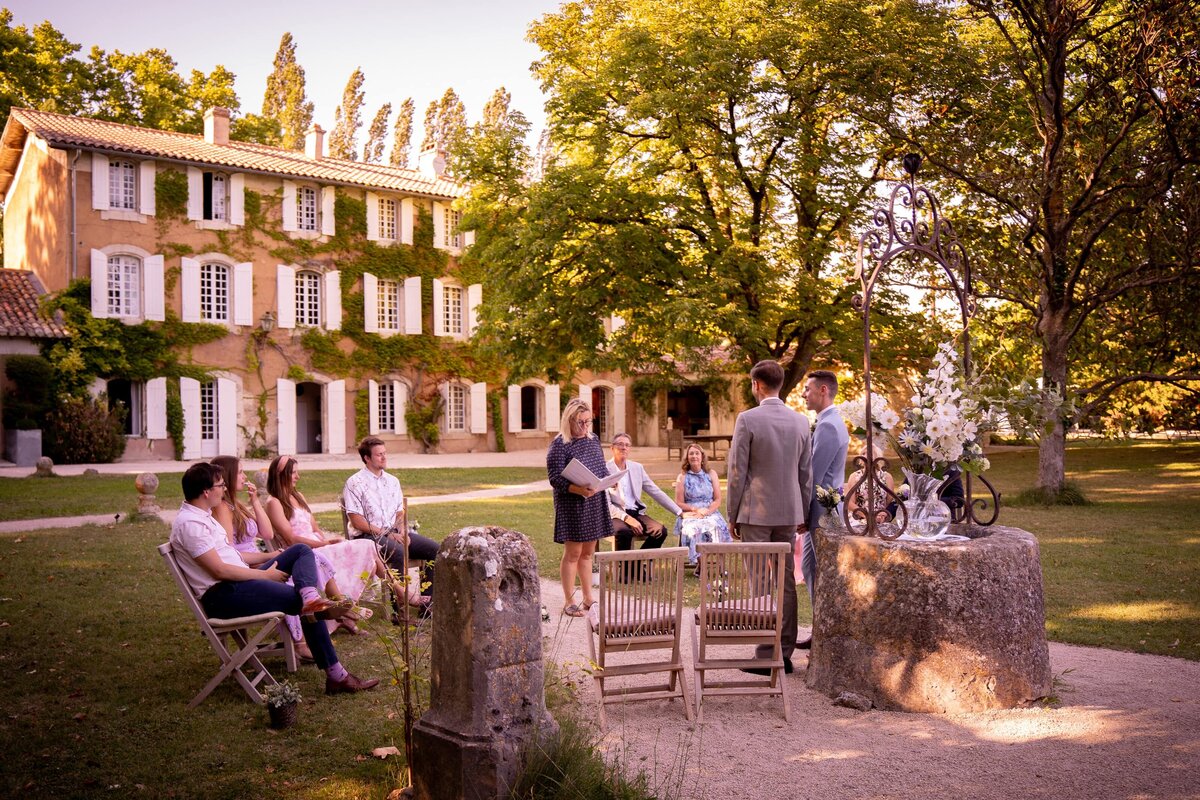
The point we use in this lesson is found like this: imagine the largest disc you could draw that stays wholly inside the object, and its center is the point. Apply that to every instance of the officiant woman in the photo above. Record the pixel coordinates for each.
(580, 514)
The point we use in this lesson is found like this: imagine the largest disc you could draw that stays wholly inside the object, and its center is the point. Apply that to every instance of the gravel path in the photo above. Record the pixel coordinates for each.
(1127, 726)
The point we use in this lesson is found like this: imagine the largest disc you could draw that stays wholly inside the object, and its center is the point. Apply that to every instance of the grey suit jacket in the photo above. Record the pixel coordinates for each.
(641, 483)
(770, 466)
(830, 443)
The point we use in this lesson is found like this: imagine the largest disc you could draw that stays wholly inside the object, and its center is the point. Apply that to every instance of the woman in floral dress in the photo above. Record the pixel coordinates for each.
(698, 493)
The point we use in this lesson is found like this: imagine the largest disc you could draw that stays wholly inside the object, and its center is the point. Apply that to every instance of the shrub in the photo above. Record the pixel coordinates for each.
(1071, 495)
(85, 431)
(27, 398)
(569, 764)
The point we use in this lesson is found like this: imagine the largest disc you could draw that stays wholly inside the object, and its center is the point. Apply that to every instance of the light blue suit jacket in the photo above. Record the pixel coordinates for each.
(830, 443)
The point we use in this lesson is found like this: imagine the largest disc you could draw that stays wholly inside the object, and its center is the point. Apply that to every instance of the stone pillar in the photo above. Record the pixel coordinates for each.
(486, 700)
(931, 626)
(45, 468)
(147, 485)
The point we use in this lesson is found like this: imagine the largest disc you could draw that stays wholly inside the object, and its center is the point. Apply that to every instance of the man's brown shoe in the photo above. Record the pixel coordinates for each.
(349, 685)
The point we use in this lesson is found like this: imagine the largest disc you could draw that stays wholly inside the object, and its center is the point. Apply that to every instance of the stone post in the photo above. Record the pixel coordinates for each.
(45, 468)
(147, 485)
(486, 701)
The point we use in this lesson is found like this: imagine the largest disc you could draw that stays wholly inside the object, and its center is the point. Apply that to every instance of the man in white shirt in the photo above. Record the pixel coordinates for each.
(227, 587)
(374, 502)
(625, 504)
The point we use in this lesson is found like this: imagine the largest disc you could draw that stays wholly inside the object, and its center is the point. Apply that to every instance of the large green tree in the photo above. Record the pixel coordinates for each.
(376, 135)
(343, 139)
(705, 181)
(286, 98)
(39, 69)
(445, 121)
(1067, 129)
(402, 135)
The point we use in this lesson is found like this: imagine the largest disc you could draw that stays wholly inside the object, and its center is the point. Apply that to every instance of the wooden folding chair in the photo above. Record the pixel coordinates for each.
(250, 636)
(741, 604)
(639, 607)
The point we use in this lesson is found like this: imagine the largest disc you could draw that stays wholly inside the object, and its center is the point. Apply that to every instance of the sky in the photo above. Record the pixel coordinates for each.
(405, 48)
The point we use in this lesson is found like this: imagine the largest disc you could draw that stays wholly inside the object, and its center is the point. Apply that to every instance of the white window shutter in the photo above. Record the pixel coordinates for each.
(619, 410)
(439, 225)
(189, 277)
(406, 220)
(99, 386)
(156, 408)
(412, 305)
(372, 216)
(585, 394)
(335, 417)
(154, 289)
(195, 201)
(400, 395)
(552, 412)
(285, 415)
(289, 206)
(99, 285)
(99, 183)
(189, 396)
(237, 199)
(372, 407)
(333, 301)
(617, 323)
(444, 390)
(479, 413)
(327, 199)
(514, 408)
(468, 238)
(439, 309)
(243, 293)
(474, 298)
(146, 173)
(285, 297)
(228, 400)
(370, 303)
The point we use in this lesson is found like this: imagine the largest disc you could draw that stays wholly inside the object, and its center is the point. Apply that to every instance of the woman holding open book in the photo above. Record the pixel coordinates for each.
(580, 513)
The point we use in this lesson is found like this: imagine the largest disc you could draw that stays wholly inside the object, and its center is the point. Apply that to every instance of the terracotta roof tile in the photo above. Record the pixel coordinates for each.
(67, 131)
(20, 315)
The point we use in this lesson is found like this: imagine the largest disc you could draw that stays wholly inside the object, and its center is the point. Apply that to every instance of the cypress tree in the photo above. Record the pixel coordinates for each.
(286, 100)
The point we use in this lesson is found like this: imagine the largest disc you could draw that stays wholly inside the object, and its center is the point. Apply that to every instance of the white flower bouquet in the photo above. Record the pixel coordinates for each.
(829, 496)
(883, 417)
(944, 423)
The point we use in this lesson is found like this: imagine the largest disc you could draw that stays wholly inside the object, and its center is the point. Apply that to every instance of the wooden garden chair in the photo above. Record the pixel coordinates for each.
(639, 607)
(674, 441)
(741, 605)
(250, 637)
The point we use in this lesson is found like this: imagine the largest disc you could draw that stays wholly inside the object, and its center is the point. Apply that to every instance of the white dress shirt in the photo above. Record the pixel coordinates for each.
(377, 498)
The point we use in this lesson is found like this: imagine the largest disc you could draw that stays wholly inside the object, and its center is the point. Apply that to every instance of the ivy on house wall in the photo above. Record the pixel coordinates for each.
(497, 420)
(170, 195)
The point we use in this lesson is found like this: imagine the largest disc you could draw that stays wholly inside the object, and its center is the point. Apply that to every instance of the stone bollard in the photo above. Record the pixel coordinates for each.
(147, 485)
(487, 700)
(45, 468)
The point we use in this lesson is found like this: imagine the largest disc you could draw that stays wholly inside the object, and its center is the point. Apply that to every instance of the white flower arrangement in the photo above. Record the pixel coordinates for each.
(883, 417)
(943, 425)
(829, 496)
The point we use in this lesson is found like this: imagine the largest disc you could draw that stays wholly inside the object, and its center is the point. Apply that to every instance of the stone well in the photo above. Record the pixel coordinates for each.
(931, 626)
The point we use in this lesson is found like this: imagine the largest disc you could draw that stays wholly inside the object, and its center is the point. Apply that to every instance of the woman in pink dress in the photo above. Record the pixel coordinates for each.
(355, 563)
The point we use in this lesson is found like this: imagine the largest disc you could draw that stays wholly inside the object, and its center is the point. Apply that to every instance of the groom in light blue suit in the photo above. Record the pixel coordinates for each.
(830, 442)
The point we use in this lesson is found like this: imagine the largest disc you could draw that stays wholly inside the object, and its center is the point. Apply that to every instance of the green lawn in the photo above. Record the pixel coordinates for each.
(29, 498)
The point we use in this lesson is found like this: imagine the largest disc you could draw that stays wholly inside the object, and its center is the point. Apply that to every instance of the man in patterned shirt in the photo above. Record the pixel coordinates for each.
(374, 501)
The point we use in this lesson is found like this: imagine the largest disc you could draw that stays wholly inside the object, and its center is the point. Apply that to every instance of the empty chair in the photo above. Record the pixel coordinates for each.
(741, 605)
(639, 607)
(250, 635)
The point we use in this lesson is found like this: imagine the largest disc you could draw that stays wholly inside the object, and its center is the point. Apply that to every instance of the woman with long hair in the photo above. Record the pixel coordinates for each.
(243, 523)
(580, 514)
(698, 493)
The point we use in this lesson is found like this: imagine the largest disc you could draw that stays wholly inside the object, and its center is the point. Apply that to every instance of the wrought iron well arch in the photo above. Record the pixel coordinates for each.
(911, 225)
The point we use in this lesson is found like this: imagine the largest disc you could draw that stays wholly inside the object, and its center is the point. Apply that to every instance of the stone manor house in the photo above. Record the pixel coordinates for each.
(205, 230)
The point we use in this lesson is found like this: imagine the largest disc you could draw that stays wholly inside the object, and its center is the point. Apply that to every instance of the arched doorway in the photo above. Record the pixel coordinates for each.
(308, 417)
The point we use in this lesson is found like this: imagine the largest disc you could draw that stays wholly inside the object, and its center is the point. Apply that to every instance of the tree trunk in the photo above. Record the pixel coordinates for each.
(1053, 445)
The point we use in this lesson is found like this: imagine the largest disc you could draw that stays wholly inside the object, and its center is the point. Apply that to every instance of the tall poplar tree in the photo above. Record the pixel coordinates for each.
(402, 135)
(343, 141)
(285, 99)
(376, 134)
(445, 122)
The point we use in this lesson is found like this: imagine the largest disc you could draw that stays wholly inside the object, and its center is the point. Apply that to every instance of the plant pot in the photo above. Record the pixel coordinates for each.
(283, 716)
(24, 448)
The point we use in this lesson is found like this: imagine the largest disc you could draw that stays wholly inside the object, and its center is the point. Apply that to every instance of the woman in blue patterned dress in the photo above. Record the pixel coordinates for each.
(698, 493)
(580, 514)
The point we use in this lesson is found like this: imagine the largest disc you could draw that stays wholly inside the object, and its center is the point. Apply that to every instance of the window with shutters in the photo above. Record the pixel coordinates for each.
(387, 406)
(124, 286)
(456, 407)
(306, 208)
(216, 196)
(452, 310)
(122, 185)
(214, 292)
(390, 303)
(308, 299)
(450, 234)
(387, 219)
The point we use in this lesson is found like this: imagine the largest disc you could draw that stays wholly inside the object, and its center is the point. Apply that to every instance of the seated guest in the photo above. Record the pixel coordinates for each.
(625, 506)
(244, 524)
(698, 495)
(856, 501)
(374, 503)
(232, 584)
(354, 563)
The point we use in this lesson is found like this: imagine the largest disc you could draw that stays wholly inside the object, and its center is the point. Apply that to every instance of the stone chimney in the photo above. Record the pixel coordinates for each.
(314, 142)
(216, 125)
(432, 162)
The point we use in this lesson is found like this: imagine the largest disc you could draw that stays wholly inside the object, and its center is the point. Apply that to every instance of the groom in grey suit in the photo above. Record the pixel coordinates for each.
(770, 482)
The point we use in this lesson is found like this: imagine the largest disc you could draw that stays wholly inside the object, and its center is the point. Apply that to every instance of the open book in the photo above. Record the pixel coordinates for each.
(580, 475)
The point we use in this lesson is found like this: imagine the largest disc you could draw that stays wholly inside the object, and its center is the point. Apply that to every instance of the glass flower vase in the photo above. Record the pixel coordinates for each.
(928, 516)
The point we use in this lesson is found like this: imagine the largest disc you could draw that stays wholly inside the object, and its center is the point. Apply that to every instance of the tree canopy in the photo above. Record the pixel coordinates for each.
(286, 99)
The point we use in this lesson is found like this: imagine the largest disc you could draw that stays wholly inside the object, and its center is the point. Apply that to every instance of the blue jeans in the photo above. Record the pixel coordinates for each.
(228, 599)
